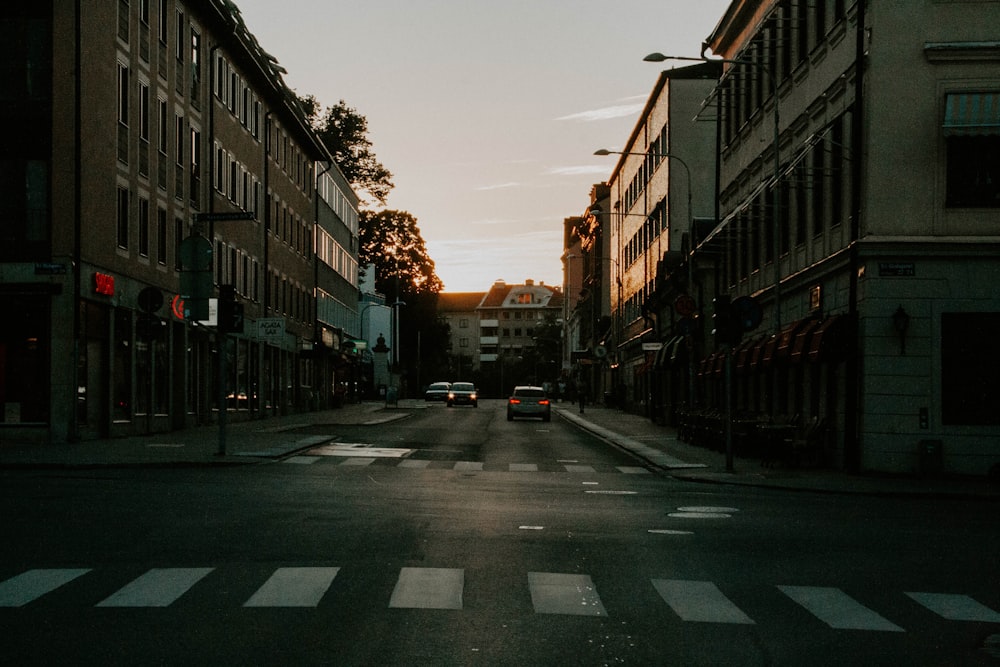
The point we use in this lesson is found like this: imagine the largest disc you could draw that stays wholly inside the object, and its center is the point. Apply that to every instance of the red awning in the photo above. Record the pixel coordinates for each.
(743, 354)
(801, 344)
(831, 340)
(786, 339)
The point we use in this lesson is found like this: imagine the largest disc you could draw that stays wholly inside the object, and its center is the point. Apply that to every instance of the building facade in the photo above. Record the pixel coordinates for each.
(459, 312)
(661, 186)
(147, 124)
(855, 238)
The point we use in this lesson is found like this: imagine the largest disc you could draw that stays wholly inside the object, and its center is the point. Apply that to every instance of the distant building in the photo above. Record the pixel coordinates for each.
(459, 311)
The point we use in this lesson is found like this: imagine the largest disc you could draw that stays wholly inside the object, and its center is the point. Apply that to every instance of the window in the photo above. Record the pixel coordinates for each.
(123, 96)
(970, 385)
(463, 323)
(123, 221)
(143, 227)
(972, 134)
(161, 236)
(123, 20)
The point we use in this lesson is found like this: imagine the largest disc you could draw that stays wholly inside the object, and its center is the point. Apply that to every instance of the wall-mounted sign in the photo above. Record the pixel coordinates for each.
(898, 269)
(104, 284)
(271, 329)
(815, 298)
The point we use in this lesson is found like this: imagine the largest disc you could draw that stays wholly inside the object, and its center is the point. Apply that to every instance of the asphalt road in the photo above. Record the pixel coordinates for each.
(455, 537)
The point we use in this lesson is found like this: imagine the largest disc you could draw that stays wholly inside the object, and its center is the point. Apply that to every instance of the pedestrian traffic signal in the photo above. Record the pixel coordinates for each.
(230, 310)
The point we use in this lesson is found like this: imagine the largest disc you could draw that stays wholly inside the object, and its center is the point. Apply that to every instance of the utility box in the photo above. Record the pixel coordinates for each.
(930, 455)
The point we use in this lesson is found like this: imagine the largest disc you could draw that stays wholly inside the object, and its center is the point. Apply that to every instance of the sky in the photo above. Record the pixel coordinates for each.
(487, 112)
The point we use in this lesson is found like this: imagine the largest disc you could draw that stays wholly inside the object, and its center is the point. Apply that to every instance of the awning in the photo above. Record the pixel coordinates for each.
(786, 339)
(801, 344)
(770, 347)
(665, 353)
(831, 340)
(972, 114)
(757, 353)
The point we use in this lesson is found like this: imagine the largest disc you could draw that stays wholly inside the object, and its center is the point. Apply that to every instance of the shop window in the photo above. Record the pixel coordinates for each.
(970, 385)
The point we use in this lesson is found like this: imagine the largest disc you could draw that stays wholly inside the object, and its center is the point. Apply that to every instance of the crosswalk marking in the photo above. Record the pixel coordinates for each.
(294, 587)
(33, 584)
(634, 470)
(956, 607)
(837, 609)
(443, 588)
(523, 467)
(428, 588)
(700, 601)
(358, 461)
(159, 587)
(573, 594)
(579, 468)
(468, 466)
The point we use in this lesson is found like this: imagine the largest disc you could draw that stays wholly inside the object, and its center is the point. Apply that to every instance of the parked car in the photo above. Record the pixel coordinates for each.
(527, 401)
(437, 391)
(463, 393)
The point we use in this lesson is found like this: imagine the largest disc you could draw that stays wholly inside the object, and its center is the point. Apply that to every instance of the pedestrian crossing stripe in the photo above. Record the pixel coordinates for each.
(457, 466)
(427, 588)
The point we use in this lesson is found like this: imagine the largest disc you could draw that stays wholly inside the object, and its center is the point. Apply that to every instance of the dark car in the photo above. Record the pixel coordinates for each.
(437, 391)
(463, 393)
(527, 401)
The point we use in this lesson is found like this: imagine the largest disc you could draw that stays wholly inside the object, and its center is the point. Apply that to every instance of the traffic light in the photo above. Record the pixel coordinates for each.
(230, 310)
(724, 329)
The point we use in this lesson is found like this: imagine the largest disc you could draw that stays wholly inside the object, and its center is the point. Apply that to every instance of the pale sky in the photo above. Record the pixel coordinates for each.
(487, 112)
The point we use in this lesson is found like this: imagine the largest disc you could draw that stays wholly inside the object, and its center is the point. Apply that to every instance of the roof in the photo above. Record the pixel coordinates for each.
(459, 301)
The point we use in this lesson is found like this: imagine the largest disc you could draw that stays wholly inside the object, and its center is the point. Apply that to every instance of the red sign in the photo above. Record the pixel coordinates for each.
(177, 307)
(104, 284)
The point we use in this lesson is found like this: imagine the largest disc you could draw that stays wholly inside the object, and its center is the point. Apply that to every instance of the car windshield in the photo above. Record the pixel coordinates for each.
(438, 386)
(463, 386)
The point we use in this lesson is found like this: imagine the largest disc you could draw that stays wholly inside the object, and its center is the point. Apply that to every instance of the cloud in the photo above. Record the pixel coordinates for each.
(581, 170)
(499, 186)
(607, 113)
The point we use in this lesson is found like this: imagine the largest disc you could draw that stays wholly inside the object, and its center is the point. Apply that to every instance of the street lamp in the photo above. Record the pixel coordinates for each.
(775, 199)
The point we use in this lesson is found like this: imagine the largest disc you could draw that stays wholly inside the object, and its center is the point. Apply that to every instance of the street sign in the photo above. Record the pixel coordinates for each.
(221, 217)
(271, 329)
(652, 347)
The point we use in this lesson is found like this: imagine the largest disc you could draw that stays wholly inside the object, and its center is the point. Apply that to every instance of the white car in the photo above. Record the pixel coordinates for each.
(437, 391)
(463, 393)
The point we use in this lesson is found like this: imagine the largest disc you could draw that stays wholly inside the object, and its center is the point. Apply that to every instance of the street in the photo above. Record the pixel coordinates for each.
(455, 537)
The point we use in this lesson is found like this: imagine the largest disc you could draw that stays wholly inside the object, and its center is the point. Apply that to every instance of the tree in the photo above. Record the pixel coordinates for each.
(391, 241)
(344, 132)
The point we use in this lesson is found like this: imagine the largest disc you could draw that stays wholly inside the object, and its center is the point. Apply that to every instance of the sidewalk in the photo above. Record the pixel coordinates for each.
(257, 441)
(660, 446)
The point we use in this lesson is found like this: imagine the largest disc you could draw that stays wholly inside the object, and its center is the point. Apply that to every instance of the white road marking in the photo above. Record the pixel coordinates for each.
(956, 607)
(837, 609)
(466, 466)
(664, 531)
(428, 588)
(722, 510)
(573, 594)
(699, 515)
(303, 460)
(159, 587)
(523, 467)
(33, 584)
(634, 470)
(359, 461)
(699, 601)
(294, 587)
(579, 468)
(413, 463)
(613, 493)
(531, 527)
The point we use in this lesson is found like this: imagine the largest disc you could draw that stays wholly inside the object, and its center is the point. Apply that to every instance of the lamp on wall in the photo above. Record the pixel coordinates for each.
(901, 322)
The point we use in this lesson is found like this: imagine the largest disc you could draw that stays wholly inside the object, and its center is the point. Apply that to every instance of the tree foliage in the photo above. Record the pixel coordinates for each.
(391, 241)
(344, 132)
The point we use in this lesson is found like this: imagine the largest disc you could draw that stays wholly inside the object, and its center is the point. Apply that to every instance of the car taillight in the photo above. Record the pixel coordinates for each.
(513, 401)
(544, 401)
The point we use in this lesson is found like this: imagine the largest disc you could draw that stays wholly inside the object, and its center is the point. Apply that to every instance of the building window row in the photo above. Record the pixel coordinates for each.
(644, 237)
(336, 256)
(289, 298)
(655, 154)
(235, 182)
(812, 196)
(235, 94)
(291, 228)
(793, 30)
(339, 203)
